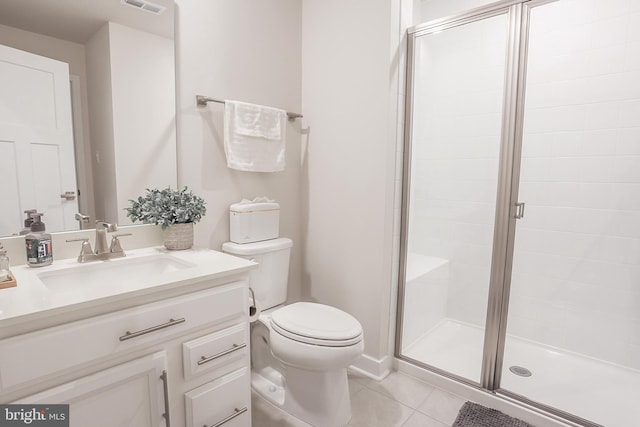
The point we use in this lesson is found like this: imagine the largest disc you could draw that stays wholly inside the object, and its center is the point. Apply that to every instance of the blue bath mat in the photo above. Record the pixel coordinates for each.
(474, 415)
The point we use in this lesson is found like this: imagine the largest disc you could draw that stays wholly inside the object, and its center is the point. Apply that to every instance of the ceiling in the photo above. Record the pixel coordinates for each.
(78, 20)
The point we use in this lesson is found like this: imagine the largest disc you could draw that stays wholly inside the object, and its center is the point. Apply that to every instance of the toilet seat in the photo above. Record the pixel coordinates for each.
(316, 324)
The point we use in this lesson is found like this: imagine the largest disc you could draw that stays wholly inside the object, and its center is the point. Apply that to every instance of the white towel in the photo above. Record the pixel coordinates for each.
(254, 137)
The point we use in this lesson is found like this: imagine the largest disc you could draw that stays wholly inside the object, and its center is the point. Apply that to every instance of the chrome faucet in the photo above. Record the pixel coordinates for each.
(101, 252)
(102, 228)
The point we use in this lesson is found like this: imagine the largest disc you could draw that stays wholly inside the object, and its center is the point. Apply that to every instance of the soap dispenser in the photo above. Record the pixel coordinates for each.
(38, 243)
(27, 222)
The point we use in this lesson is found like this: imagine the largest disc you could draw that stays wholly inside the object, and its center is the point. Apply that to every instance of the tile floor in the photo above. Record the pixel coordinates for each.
(397, 401)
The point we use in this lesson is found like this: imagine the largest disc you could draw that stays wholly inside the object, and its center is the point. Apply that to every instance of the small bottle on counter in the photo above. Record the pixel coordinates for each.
(38, 243)
(4, 264)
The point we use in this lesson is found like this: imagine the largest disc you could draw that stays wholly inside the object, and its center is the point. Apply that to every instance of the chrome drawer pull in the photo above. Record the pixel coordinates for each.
(172, 322)
(165, 390)
(229, 418)
(235, 347)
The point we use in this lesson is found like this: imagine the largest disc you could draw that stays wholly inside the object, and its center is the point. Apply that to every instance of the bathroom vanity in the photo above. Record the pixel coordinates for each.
(159, 338)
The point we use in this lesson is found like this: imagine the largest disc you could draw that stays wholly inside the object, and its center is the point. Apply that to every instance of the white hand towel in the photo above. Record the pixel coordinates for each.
(254, 137)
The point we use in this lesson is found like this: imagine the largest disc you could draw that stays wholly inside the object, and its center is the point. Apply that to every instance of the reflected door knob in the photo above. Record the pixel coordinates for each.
(68, 195)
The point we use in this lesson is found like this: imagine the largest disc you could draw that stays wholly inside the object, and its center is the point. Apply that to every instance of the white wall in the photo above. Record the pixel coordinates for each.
(144, 110)
(427, 10)
(132, 113)
(349, 101)
(248, 51)
(337, 193)
(101, 118)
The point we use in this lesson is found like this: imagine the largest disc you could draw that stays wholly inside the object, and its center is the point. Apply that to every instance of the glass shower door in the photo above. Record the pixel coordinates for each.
(451, 179)
(573, 330)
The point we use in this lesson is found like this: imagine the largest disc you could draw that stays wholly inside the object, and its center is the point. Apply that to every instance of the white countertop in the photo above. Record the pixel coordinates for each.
(31, 299)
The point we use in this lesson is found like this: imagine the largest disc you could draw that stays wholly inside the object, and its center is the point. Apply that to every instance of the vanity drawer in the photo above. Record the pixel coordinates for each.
(225, 401)
(222, 348)
(27, 357)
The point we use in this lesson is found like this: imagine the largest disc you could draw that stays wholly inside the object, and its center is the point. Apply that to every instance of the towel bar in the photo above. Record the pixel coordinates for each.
(201, 101)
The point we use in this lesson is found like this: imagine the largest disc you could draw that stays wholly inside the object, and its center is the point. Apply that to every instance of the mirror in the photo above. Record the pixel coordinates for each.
(120, 119)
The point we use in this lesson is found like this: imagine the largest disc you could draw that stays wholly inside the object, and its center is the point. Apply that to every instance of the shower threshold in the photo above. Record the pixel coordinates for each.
(593, 389)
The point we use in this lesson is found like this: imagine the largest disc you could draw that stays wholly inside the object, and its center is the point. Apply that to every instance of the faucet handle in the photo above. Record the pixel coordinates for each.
(85, 250)
(82, 219)
(110, 227)
(115, 246)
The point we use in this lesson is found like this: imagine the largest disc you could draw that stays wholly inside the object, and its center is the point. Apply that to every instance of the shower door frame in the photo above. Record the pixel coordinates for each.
(517, 12)
(496, 310)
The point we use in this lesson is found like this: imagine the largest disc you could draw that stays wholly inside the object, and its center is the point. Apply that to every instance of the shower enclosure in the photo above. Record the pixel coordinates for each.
(520, 251)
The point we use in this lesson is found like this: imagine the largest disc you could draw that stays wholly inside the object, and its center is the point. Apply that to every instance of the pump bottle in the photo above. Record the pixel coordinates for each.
(38, 243)
(27, 222)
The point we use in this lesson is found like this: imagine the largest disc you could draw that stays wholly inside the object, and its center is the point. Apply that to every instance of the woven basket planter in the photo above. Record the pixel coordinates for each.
(178, 236)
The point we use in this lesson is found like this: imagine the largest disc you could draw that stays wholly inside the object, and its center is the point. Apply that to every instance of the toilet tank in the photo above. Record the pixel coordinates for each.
(269, 280)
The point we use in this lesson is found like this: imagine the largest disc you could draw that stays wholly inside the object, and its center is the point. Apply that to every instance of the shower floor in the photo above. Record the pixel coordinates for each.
(589, 388)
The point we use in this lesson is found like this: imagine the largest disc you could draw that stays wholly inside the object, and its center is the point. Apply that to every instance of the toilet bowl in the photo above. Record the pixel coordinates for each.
(309, 381)
(299, 352)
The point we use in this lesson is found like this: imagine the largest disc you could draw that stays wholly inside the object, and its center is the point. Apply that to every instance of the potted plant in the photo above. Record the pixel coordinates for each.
(175, 210)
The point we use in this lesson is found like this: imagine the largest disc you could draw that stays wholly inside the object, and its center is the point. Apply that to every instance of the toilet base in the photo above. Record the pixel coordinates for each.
(317, 398)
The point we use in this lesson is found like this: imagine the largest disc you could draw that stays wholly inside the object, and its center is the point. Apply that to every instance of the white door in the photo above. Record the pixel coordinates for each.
(131, 394)
(36, 141)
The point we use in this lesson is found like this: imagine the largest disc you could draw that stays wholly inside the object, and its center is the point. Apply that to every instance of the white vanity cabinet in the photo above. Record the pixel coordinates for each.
(145, 365)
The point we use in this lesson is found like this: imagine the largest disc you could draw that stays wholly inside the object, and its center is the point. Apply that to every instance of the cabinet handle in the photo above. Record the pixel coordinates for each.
(229, 418)
(172, 322)
(235, 347)
(165, 389)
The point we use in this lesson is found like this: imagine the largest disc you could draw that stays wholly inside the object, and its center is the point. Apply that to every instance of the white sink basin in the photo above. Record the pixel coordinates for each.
(114, 273)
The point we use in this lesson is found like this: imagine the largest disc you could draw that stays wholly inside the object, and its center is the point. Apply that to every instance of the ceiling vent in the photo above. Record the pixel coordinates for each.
(145, 5)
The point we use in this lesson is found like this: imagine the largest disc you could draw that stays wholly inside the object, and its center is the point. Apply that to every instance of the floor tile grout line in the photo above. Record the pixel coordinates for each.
(429, 394)
(431, 387)
(424, 415)
(370, 386)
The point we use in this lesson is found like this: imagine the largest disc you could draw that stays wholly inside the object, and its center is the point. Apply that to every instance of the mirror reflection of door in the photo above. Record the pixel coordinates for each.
(36, 141)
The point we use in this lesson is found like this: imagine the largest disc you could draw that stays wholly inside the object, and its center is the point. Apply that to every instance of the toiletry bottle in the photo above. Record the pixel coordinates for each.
(4, 264)
(27, 222)
(38, 242)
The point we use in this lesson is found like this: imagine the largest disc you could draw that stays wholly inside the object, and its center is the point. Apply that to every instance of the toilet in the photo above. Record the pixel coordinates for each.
(299, 352)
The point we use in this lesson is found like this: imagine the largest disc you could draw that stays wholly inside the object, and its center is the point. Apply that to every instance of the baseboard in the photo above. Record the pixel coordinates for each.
(376, 369)
(480, 396)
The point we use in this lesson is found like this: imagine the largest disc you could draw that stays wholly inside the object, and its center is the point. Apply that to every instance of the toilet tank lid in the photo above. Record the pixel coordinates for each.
(257, 247)
(254, 207)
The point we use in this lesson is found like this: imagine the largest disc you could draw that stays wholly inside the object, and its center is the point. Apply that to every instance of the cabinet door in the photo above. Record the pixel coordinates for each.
(130, 394)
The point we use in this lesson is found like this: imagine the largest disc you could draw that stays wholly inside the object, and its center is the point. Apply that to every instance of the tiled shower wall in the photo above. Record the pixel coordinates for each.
(576, 277)
(576, 274)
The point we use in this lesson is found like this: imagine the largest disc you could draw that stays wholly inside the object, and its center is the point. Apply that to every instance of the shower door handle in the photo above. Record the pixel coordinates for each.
(519, 210)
